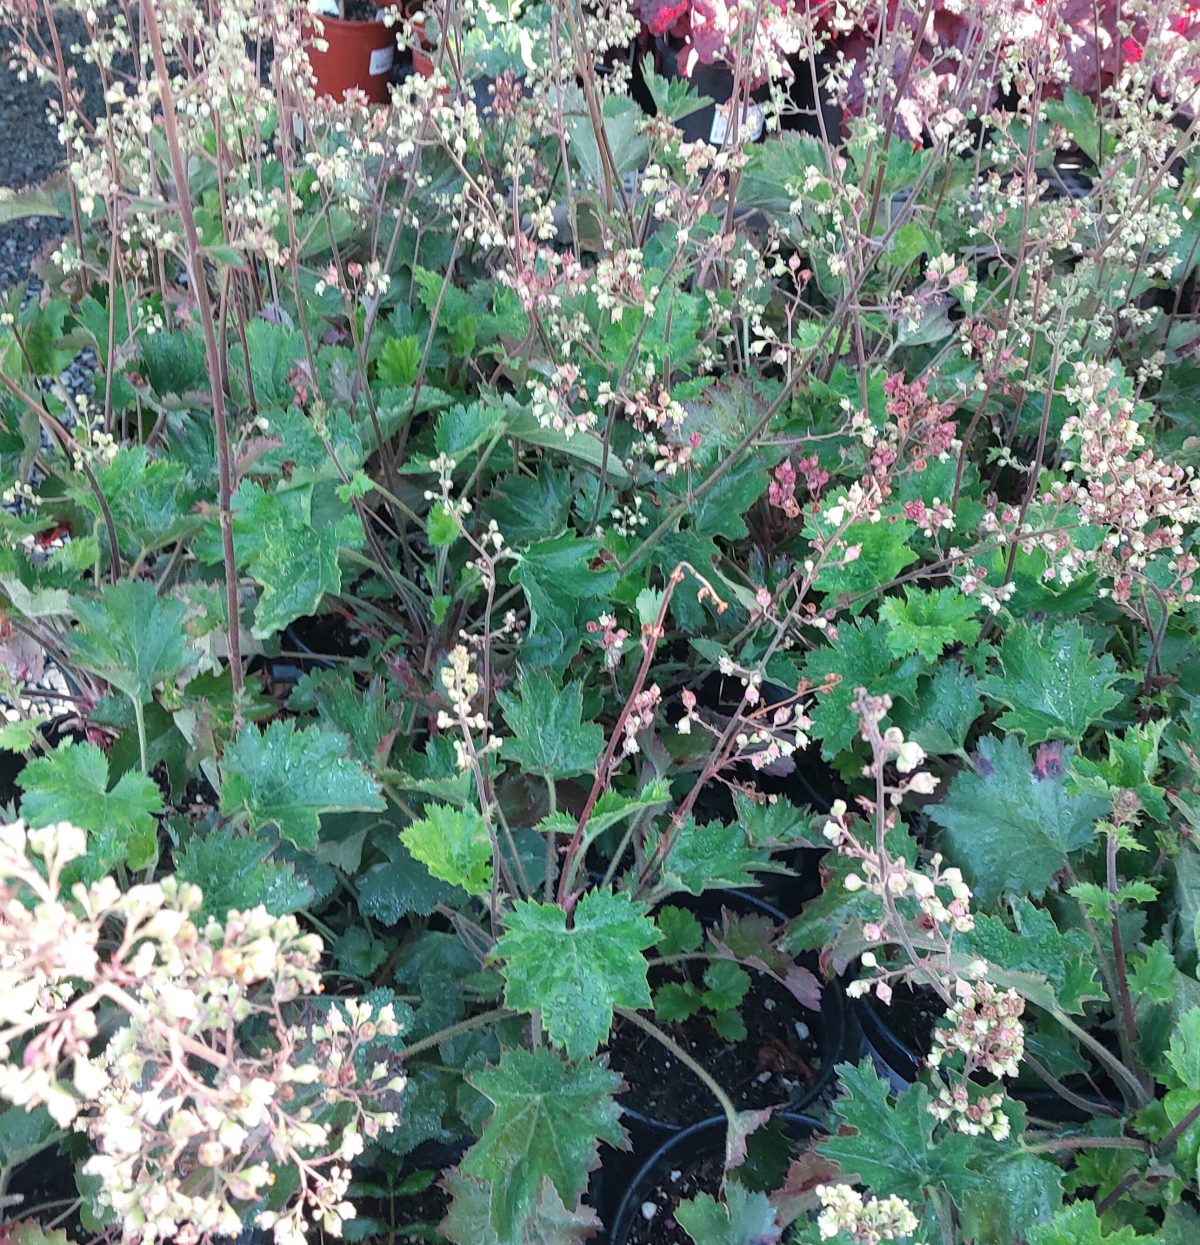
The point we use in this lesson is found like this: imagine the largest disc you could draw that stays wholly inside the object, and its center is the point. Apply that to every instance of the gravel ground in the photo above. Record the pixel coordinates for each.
(29, 153)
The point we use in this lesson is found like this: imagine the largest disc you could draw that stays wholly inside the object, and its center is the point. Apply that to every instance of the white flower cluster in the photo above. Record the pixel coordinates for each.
(461, 685)
(984, 1026)
(1145, 504)
(971, 1113)
(190, 1125)
(864, 1220)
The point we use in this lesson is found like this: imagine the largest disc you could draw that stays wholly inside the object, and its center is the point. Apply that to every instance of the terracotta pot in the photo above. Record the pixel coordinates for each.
(422, 58)
(359, 57)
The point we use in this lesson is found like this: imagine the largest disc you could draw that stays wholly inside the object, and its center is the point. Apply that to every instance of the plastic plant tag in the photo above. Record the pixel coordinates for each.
(750, 129)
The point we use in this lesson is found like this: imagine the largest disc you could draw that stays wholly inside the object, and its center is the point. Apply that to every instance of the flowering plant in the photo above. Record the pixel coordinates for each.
(495, 522)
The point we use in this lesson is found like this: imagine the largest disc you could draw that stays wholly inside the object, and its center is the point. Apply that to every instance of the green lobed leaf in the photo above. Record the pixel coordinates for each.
(288, 777)
(947, 705)
(743, 1218)
(576, 976)
(364, 717)
(18, 736)
(131, 637)
(926, 622)
(1010, 824)
(399, 886)
(547, 1121)
(1052, 683)
(1183, 1052)
(1021, 1191)
(1131, 764)
(859, 657)
(1078, 1224)
(884, 550)
(23, 1132)
(707, 857)
(1064, 960)
(548, 734)
(558, 580)
(399, 359)
(676, 1001)
(892, 1149)
(454, 845)
(469, 1222)
(234, 872)
(27, 1232)
(71, 784)
(681, 931)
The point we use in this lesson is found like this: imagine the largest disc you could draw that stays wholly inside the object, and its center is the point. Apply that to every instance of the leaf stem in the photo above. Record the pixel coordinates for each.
(453, 1031)
(139, 716)
(198, 282)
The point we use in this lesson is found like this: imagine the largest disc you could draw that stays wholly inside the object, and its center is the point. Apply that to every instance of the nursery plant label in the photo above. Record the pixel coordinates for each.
(381, 61)
(753, 119)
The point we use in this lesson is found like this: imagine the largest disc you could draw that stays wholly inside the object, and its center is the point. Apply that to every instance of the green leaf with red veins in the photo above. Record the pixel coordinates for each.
(548, 1120)
(576, 976)
(743, 1218)
(288, 778)
(71, 784)
(891, 1148)
(1009, 823)
(1052, 683)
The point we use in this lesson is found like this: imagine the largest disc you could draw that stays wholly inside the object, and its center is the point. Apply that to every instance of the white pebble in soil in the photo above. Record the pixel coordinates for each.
(769, 1005)
(649, 1210)
(802, 1030)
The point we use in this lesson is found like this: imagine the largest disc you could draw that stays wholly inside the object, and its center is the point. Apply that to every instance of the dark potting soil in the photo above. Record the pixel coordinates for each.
(320, 637)
(46, 1186)
(778, 1058)
(360, 10)
(419, 1212)
(654, 1220)
(912, 1016)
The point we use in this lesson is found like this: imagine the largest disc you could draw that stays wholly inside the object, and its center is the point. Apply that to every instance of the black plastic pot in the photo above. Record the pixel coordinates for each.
(838, 1034)
(900, 1065)
(701, 1141)
(715, 81)
(804, 780)
(893, 1058)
